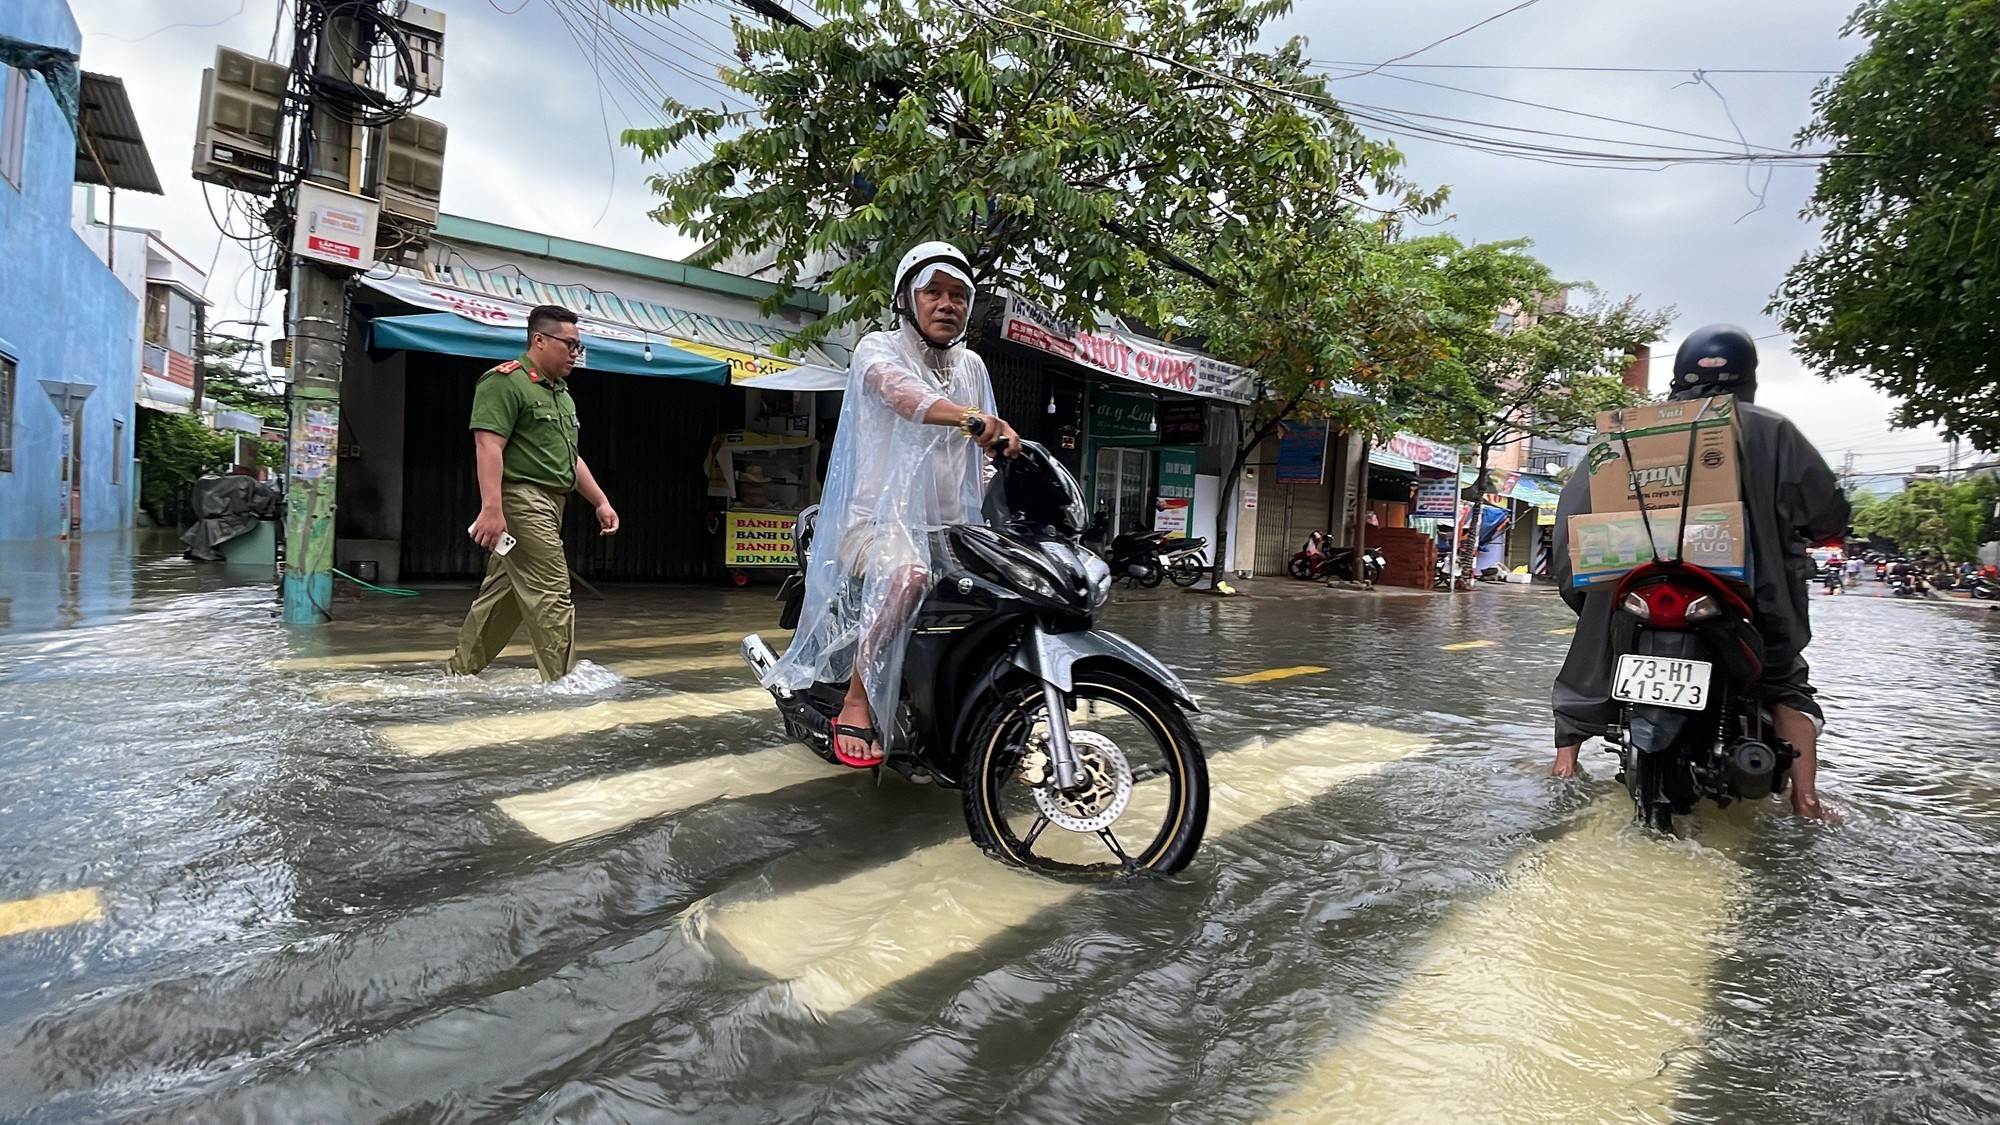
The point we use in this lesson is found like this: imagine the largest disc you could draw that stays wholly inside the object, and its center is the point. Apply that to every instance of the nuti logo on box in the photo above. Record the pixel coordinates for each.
(1670, 476)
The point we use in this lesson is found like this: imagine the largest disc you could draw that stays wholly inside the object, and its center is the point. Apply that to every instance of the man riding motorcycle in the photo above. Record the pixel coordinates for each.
(907, 462)
(1792, 502)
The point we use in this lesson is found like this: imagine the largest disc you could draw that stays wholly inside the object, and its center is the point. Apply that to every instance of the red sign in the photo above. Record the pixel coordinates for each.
(1128, 357)
(342, 250)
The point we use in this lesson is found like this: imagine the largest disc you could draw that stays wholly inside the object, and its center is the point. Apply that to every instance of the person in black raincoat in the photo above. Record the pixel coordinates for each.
(1792, 502)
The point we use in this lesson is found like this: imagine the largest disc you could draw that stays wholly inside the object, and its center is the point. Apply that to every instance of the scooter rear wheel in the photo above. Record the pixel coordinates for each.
(1146, 781)
(1184, 572)
(1151, 574)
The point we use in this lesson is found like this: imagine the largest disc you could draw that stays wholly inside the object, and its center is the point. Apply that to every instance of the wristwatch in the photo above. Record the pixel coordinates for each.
(972, 423)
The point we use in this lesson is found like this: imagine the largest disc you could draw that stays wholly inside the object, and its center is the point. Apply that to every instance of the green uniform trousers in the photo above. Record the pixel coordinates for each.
(529, 583)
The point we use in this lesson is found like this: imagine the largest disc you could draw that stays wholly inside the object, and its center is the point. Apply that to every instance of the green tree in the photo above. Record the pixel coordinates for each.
(234, 376)
(1520, 357)
(1904, 284)
(174, 450)
(1948, 519)
(1072, 151)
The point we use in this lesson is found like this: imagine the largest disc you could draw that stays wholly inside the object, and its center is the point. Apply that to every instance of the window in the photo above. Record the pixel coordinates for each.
(117, 451)
(6, 415)
(169, 319)
(13, 125)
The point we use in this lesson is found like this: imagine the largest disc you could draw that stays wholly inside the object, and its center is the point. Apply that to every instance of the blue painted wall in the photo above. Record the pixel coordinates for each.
(63, 313)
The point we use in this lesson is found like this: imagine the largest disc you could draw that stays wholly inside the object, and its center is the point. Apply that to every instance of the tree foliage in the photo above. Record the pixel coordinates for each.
(1904, 285)
(1948, 519)
(175, 450)
(1073, 151)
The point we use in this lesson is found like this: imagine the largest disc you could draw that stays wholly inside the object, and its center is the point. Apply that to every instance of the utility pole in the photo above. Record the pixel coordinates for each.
(316, 323)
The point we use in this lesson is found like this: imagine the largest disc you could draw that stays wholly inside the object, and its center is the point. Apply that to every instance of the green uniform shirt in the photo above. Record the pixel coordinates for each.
(537, 416)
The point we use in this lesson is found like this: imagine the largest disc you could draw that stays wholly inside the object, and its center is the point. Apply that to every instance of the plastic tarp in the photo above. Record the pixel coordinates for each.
(451, 334)
(224, 508)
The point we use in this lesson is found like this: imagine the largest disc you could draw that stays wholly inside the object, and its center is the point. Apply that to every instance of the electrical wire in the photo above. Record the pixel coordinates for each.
(1448, 38)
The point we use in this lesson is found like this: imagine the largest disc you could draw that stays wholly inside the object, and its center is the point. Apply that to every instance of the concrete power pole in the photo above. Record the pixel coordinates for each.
(316, 324)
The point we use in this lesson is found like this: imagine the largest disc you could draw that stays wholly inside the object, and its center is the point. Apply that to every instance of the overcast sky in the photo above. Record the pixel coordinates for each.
(533, 128)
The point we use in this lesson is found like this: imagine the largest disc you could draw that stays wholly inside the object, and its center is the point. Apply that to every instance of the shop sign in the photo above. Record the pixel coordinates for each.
(1436, 499)
(1249, 489)
(757, 539)
(1302, 453)
(1176, 492)
(1125, 417)
(1182, 422)
(1430, 454)
(1127, 357)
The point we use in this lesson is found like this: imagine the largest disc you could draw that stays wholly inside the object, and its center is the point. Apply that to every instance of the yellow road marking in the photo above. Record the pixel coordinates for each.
(441, 653)
(605, 804)
(1562, 632)
(838, 943)
(424, 739)
(1577, 988)
(1274, 674)
(65, 908)
(1464, 645)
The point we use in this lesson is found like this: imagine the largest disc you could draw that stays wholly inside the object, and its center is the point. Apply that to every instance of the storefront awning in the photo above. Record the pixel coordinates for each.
(1407, 453)
(489, 297)
(451, 334)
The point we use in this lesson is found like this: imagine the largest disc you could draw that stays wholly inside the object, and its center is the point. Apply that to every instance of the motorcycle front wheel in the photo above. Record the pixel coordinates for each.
(1185, 572)
(1140, 807)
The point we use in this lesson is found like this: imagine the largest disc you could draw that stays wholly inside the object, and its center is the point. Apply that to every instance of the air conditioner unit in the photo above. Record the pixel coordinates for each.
(236, 131)
(408, 170)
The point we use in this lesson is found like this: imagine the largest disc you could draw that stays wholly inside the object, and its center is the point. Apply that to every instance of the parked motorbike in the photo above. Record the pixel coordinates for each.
(1071, 745)
(1982, 587)
(1319, 559)
(1906, 581)
(1185, 559)
(1134, 556)
(1688, 657)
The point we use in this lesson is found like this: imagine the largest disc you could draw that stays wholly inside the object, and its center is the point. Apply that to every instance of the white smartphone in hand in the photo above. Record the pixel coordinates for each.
(502, 546)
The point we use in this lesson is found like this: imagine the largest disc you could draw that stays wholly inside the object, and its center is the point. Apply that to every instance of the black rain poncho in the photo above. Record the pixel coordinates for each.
(1792, 502)
(893, 484)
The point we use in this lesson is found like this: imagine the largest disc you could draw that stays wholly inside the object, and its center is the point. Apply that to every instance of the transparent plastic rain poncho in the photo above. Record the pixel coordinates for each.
(892, 485)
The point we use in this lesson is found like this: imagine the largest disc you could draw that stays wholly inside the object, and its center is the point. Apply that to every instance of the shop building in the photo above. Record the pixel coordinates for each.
(674, 424)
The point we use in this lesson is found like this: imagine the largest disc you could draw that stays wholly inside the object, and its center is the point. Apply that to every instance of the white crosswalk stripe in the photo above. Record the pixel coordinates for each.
(606, 804)
(838, 943)
(1578, 988)
(425, 739)
(601, 648)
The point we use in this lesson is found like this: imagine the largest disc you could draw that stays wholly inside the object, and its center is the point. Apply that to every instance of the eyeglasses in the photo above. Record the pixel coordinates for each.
(573, 343)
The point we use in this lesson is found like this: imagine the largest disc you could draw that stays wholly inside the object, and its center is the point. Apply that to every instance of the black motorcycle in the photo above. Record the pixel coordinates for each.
(1981, 587)
(1071, 745)
(1134, 556)
(1688, 658)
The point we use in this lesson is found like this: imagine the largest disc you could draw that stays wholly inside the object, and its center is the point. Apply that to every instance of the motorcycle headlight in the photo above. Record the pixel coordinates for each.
(1018, 571)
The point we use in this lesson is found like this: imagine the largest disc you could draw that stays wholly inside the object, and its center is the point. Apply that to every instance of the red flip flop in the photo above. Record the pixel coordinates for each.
(869, 735)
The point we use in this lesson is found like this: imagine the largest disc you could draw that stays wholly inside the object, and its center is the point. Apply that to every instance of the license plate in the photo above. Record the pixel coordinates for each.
(1662, 682)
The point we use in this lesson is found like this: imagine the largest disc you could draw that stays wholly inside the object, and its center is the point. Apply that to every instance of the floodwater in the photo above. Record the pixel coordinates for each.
(254, 874)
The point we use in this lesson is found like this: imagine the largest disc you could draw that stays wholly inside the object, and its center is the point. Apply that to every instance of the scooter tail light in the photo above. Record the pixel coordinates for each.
(1664, 605)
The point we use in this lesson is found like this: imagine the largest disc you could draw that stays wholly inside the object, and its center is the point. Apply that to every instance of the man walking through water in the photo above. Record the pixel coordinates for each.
(524, 432)
(1792, 502)
(907, 462)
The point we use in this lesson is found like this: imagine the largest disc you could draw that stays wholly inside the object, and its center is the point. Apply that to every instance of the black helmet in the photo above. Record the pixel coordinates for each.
(1720, 359)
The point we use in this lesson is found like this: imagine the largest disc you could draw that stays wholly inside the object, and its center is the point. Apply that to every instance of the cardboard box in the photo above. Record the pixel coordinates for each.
(1606, 546)
(1659, 466)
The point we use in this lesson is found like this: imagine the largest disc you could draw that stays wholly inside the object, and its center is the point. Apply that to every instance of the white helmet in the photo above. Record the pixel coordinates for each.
(925, 261)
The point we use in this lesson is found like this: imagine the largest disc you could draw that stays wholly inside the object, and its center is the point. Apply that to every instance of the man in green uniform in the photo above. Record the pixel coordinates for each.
(524, 439)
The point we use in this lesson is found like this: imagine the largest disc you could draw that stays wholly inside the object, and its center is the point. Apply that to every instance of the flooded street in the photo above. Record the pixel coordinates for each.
(255, 874)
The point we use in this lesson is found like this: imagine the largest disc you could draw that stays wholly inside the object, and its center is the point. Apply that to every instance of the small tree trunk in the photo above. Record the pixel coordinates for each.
(1469, 549)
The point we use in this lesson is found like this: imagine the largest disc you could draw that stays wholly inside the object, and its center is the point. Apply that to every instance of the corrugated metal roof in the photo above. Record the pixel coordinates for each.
(109, 148)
